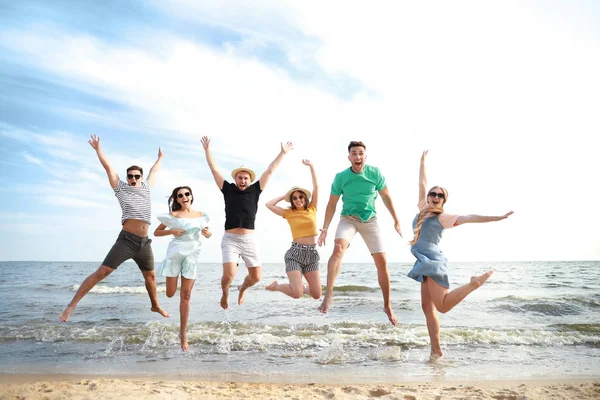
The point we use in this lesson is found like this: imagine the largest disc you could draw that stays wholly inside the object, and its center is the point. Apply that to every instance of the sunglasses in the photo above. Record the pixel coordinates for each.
(131, 176)
(438, 195)
(180, 195)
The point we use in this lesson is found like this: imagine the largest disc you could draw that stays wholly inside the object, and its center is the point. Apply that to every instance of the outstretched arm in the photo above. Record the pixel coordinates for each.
(423, 178)
(162, 230)
(155, 168)
(113, 177)
(474, 218)
(272, 205)
(315, 192)
(264, 178)
(219, 180)
(329, 212)
(389, 204)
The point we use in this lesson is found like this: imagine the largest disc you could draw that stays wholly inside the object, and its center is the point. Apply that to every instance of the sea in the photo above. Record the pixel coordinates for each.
(531, 320)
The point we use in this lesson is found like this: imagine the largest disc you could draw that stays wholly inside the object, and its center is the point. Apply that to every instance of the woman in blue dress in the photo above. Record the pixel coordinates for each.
(431, 267)
(183, 254)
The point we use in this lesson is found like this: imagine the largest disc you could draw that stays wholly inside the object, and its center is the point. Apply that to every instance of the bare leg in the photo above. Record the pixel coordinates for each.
(150, 281)
(384, 283)
(102, 272)
(314, 284)
(445, 300)
(293, 289)
(251, 279)
(229, 270)
(333, 269)
(171, 285)
(433, 322)
(184, 310)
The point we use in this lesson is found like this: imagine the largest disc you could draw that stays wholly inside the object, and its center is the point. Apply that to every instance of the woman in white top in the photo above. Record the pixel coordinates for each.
(183, 254)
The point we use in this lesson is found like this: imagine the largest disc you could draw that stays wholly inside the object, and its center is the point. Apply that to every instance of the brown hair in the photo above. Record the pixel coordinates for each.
(354, 143)
(427, 210)
(173, 204)
(135, 167)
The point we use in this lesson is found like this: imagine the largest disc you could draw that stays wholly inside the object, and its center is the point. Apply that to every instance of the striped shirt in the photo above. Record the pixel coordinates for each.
(134, 201)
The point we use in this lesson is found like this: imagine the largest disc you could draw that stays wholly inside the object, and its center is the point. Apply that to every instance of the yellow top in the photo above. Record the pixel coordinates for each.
(302, 222)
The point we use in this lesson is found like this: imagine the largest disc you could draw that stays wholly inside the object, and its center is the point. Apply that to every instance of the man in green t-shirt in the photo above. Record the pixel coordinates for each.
(358, 186)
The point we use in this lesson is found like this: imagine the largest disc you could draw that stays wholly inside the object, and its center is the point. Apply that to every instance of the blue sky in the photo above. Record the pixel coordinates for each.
(504, 95)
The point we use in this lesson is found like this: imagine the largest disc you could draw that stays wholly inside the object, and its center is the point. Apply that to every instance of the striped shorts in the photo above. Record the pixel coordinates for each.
(302, 257)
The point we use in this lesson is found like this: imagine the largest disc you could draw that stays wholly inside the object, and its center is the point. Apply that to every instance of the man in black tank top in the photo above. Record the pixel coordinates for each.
(241, 204)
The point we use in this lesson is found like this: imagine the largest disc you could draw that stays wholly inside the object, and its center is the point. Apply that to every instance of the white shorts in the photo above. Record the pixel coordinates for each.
(368, 230)
(235, 246)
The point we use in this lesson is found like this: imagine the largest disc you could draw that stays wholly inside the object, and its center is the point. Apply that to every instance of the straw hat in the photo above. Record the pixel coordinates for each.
(288, 195)
(243, 168)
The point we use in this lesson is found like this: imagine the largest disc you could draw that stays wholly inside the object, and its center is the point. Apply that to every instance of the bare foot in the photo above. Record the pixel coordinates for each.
(242, 290)
(477, 281)
(160, 311)
(272, 286)
(435, 355)
(225, 300)
(391, 315)
(66, 313)
(324, 307)
(184, 343)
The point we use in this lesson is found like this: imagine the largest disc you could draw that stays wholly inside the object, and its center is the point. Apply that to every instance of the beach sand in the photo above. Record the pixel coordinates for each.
(49, 387)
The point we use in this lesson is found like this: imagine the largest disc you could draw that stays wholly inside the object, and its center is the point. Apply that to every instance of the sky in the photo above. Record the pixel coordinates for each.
(504, 95)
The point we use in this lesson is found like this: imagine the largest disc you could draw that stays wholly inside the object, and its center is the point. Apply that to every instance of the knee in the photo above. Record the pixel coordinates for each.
(103, 272)
(316, 293)
(186, 295)
(228, 276)
(443, 309)
(380, 261)
(296, 294)
(428, 309)
(170, 293)
(338, 250)
(254, 276)
(150, 278)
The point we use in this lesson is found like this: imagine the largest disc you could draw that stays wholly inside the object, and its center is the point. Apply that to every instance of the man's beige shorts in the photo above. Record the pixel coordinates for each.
(369, 230)
(245, 246)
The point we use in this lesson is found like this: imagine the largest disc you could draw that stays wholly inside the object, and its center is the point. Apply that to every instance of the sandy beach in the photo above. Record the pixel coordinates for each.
(49, 387)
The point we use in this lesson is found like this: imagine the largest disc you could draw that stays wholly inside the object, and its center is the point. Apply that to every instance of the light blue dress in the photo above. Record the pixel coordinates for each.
(183, 253)
(431, 261)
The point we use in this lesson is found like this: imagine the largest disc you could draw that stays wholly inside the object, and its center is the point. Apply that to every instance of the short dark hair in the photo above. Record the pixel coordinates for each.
(354, 143)
(135, 167)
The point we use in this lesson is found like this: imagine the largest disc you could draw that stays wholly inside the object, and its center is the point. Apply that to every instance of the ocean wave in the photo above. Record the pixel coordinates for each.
(223, 337)
(103, 289)
(567, 305)
(355, 288)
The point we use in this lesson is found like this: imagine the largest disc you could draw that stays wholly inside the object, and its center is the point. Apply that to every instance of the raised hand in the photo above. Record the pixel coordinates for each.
(94, 142)
(286, 147)
(160, 153)
(205, 142)
(307, 162)
(508, 214)
(424, 155)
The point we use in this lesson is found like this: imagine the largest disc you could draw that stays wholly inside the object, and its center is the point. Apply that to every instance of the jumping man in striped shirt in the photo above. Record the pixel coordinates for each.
(132, 242)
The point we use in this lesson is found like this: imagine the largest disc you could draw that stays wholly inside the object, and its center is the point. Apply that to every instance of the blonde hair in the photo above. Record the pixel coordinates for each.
(428, 210)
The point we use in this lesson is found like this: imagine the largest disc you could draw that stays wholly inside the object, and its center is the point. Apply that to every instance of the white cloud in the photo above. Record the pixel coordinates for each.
(32, 159)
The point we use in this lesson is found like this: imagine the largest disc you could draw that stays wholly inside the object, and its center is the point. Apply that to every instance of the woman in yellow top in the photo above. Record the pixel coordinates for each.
(302, 258)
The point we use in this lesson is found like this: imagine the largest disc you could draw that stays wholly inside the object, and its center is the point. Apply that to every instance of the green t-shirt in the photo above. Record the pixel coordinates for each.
(358, 191)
